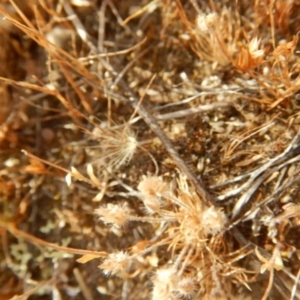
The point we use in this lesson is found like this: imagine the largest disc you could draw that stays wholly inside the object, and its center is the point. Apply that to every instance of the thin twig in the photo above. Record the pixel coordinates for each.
(290, 149)
(10, 226)
(294, 289)
(86, 291)
(191, 111)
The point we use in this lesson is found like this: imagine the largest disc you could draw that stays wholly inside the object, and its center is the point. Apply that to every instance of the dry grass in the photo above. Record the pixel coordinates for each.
(149, 149)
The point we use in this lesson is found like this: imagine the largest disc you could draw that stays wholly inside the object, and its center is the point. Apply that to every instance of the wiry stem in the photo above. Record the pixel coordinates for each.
(154, 126)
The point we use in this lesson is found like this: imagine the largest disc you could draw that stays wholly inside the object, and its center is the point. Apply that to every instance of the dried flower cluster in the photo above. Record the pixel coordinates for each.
(176, 127)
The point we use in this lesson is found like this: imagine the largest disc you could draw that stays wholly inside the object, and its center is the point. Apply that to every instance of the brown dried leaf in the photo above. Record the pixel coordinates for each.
(34, 167)
(86, 258)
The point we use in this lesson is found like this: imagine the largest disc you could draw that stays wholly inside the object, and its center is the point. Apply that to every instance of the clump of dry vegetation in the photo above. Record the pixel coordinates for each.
(149, 149)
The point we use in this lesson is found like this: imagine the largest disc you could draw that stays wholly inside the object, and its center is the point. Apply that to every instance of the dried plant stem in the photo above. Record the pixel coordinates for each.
(86, 59)
(254, 186)
(152, 123)
(36, 288)
(269, 286)
(125, 290)
(86, 291)
(266, 201)
(294, 289)
(287, 153)
(152, 5)
(74, 173)
(127, 67)
(11, 227)
(79, 26)
(282, 289)
(191, 111)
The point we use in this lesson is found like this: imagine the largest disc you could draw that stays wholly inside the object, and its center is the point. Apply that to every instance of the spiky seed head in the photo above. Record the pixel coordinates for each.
(118, 145)
(116, 215)
(116, 263)
(213, 220)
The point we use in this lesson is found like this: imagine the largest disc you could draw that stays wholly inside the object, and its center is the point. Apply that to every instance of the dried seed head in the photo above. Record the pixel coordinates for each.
(152, 188)
(205, 22)
(167, 283)
(164, 283)
(113, 214)
(186, 287)
(116, 263)
(197, 221)
(117, 145)
(213, 220)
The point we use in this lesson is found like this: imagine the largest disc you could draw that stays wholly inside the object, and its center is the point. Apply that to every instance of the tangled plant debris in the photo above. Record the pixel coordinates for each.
(149, 149)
